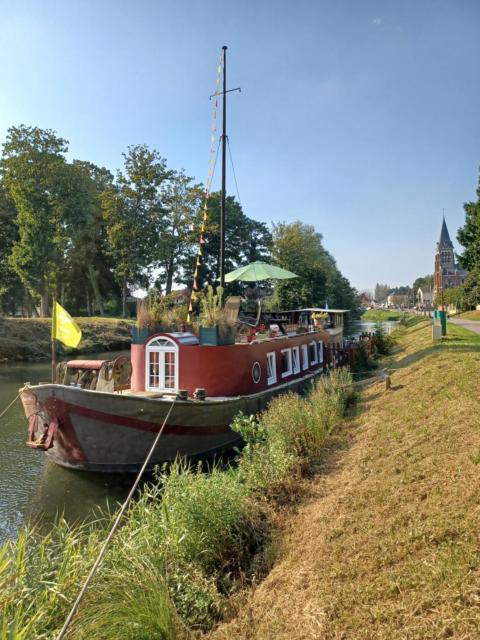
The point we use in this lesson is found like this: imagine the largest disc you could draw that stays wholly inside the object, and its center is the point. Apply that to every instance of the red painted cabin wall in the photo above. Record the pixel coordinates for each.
(137, 356)
(227, 370)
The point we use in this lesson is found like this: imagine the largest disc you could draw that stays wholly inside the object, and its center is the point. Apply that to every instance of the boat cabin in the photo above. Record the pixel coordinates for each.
(167, 362)
(331, 326)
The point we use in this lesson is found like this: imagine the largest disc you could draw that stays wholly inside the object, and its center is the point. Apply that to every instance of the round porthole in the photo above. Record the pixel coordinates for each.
(256, 372)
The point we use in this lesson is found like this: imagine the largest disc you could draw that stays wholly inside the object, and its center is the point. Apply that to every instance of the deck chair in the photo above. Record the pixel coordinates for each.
(250, 321)
(232, 309)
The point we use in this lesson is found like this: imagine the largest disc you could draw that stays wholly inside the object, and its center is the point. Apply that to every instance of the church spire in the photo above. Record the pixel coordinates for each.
(445, 236)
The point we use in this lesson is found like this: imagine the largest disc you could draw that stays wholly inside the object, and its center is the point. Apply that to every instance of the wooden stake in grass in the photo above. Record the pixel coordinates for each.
(388, 380)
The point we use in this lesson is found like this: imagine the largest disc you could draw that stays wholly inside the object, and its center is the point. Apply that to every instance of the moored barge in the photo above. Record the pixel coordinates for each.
(87, 421)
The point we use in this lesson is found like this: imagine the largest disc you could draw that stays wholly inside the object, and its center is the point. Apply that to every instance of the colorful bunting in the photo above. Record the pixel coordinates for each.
(211, 162)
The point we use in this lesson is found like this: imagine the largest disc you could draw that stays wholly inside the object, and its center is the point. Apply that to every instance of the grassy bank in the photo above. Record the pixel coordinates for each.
(190, 542)
(386, 546)
(29, 338)
(382, 315)
(469, 315)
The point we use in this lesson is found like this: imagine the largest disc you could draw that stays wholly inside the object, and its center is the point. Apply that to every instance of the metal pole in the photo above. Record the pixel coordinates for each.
(224, 155)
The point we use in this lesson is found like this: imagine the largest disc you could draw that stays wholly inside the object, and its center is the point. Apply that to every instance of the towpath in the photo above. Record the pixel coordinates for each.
(471, 325)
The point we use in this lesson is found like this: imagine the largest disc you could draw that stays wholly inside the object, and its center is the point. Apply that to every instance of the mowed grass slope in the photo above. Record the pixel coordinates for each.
(388, 546)
(30, 338)
(469, 315)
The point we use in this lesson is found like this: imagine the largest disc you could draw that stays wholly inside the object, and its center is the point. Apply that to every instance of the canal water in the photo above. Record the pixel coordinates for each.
(356, 327)
(31, 487)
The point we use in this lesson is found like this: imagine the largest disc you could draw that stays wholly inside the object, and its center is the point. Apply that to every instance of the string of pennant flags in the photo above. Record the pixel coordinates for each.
(208, 185)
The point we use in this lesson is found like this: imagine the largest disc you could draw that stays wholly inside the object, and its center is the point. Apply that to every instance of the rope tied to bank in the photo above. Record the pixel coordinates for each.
(11, 404)
(103, 550)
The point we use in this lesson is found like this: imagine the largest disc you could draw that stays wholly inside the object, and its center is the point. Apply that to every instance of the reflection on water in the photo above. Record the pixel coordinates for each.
(356, 327)
(75, 494)
(30, 485)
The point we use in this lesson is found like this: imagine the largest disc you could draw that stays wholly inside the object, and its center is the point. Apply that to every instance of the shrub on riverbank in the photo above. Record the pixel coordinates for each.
(188, 543)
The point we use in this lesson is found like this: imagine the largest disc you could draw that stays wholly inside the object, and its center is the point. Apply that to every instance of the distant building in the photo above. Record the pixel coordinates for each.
(365, 299)
(397, 300)
(425, 298)
(447, 272)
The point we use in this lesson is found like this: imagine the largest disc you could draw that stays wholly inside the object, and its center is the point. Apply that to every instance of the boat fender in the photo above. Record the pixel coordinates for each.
(46, 438)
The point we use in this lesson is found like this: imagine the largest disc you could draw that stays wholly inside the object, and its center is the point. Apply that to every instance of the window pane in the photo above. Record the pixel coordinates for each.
(154, 377)
(169, 370)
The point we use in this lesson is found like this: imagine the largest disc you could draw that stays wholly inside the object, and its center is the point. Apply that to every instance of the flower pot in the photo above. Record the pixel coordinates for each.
(217, 336)
(140, 335)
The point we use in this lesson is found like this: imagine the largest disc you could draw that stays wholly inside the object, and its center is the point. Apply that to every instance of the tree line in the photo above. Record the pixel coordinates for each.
(76, 231)
(382, 291)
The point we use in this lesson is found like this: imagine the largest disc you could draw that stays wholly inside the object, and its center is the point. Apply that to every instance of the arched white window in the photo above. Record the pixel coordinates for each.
(161, 365)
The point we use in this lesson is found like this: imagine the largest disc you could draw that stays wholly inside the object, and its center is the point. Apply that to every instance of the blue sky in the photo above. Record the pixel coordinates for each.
(360, 117)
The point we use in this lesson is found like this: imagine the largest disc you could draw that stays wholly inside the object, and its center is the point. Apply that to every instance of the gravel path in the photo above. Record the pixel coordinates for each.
(471, 325)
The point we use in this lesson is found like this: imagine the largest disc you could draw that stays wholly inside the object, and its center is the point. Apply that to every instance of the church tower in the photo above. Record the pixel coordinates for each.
(447, 272)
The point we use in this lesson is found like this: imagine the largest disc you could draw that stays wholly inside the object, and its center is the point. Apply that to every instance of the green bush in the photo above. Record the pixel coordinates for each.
(209, 518)
(290, 433)
(382, 342)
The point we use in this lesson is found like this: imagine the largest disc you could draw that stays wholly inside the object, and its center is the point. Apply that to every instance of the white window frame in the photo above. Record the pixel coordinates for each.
(315, 350)
(320, 351)
(296, 359)
(170, 347)
(305, 357)
(289, 371)
(271, 367)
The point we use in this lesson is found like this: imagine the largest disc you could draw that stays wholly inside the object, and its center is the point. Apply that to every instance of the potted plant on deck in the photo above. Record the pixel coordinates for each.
(215, 329)
(319, 319)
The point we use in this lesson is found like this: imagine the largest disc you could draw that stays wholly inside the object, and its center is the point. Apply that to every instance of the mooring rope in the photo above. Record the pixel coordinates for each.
(100, 556)
(10, 405)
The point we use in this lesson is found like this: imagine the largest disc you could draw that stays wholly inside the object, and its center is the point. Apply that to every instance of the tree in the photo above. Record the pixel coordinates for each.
(471, 289)
(381, 292)
(451, 296)
(423, 282)
(469, 237)
(246, 240)
(134, 215)
(9, 281)
(298, 248)
(469, 234)
(89, 275)
(181, 200)
(32, 163)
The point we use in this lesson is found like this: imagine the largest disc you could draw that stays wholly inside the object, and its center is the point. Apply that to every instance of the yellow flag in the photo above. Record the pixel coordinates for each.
(64, 328)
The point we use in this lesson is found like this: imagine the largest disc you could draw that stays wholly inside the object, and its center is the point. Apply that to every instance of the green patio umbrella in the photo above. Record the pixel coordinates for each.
(256, 271)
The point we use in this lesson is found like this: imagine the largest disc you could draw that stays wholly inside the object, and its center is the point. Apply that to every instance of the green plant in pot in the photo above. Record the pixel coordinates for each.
(214, 328)
(320, 318)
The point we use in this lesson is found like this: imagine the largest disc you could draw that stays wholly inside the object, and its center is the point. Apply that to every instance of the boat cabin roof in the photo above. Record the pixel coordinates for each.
(185, 337)
(314, 310)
